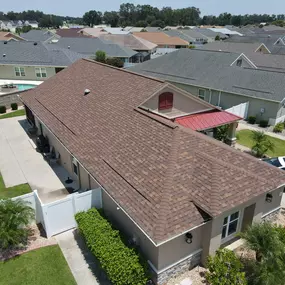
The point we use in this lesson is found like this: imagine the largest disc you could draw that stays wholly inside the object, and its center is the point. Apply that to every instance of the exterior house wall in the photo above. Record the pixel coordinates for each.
(276, 201)
(8, 72)
(181, 104)
(122, 221)
(226, 100)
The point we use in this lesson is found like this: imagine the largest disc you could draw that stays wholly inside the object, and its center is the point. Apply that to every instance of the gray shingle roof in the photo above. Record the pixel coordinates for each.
(26, 53)
(89, 46)
(186, 35)
(232, 47)
(37, 35)
(212, 69)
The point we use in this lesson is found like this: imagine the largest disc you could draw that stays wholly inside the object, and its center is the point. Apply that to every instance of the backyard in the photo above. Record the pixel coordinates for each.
(244, 138)
(45, 266)
(17, 113)
(13, 191)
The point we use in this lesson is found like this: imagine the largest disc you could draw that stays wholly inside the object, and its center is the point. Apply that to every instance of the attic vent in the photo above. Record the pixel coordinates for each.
(86, 91)
(4, 54)
(35, 44)
(239, 62)
(5, 42)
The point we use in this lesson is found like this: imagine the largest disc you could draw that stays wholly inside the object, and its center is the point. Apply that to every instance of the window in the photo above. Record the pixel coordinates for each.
(201, 94)
(41, 72)
(20, 71)
(230, 225)
(165, 101)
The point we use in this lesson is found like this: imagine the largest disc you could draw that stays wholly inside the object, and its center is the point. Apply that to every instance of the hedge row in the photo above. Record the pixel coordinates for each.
(121, 264)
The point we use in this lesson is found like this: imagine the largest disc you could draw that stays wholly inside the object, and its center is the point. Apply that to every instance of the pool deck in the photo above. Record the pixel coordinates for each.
(18, 82)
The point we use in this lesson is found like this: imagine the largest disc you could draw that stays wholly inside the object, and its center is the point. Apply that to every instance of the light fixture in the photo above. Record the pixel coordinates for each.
(188, 237)
(269, 198)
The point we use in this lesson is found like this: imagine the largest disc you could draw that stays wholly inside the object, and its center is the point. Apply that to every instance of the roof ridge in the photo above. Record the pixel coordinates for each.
(124, 70)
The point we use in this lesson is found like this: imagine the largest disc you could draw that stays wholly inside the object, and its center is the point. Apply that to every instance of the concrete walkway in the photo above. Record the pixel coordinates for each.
(245, 126)
(81, 262)
(21, 163)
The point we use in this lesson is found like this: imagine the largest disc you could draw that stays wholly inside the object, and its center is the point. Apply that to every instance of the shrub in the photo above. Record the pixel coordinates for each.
(251, 120)
(225, 268)
(121, 263)
(278, 128)
(263, 123)
(14, 106)
(221, 133)
(114, 61)
(100, 56)
(2, 109)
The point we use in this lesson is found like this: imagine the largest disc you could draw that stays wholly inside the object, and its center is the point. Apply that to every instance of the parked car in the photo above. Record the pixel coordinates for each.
(276, 161)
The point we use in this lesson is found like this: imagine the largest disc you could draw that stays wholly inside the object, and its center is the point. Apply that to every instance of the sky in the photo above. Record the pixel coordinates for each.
(207, 7)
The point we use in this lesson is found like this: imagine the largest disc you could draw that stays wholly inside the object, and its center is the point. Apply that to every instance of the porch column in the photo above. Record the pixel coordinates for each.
(231, 139)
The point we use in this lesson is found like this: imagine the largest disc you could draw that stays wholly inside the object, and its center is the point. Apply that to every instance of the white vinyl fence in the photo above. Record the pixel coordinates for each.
(58, 216)
(239, 110)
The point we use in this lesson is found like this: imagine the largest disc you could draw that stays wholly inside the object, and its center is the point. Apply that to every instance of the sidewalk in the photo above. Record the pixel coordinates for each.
(245, 126)
(81, 262)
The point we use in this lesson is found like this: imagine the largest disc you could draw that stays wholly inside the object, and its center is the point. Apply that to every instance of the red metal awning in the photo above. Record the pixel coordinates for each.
(204, 121)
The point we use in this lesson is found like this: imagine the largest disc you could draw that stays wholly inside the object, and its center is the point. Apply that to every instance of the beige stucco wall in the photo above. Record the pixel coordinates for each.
(177, 249)
(122, 222)
(181, 104)
(276, 201)
(8, 72)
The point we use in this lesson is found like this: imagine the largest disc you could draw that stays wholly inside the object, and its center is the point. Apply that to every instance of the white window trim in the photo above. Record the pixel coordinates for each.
(229, 237)
(41, 72)
(19, 67)
(199, 96)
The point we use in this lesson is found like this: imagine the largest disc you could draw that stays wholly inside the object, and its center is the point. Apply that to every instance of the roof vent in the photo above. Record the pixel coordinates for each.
(5, 42)
(86, 91)
(35, 43)
(68, 47)
(4, 55)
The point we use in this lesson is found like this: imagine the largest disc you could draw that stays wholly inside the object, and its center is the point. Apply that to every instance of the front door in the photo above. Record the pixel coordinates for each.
(247, 217)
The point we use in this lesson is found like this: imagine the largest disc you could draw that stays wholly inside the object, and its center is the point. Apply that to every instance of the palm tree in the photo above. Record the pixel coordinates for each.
(261, 143)
(15, 216)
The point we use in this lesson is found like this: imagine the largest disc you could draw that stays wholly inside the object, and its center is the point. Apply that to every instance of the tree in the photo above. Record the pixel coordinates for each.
(142, 24)
(100, 56)
(225, 269)
(221, 133)
(262, 143)
(157, 23)
(15, 216)
(111, 18)
(92, 18)
(114, 61)
(217, 38)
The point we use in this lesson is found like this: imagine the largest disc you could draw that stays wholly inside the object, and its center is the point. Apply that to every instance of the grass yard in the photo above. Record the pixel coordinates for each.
(13, 191)
(244, 138)
(17, 113)
(44, 266)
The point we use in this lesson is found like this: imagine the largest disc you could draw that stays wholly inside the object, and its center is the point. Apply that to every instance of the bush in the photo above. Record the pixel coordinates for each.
(14, 106)
(225, 268)
(251, 120)
(278, 128)
(263, 123)
(121, 263)
(114, 61)
(221, 133)
(2, 109)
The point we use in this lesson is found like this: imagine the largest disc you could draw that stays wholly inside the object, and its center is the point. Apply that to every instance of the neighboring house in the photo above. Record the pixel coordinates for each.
(162, 40)
(191, 36)
(211, 35)
(29, 61)
(70, 33)
(93, 32)
(44, 36)
(33, 24)
(225, 31)
(131, 41)
(8, 36)
(223, 80)
(152, 29)
(89, 46)
(177, 194)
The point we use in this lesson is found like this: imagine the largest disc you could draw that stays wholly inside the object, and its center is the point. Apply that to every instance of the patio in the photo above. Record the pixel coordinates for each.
(20, 163)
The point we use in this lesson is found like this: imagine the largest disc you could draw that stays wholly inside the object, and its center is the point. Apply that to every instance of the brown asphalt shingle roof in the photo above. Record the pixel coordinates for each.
(160, 38)
(70, 33)
(160, 173)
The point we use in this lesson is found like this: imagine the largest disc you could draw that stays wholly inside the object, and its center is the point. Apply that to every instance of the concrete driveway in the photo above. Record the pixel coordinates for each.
(21, 163)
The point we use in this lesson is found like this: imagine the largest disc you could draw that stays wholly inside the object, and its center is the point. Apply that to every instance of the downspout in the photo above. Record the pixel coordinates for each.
(210, 97)
(219, 101)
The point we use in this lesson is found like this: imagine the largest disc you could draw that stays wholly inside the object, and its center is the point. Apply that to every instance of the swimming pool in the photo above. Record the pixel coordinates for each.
(25, 86)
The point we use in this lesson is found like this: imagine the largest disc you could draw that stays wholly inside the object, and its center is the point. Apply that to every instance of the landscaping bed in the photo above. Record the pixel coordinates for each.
(44, 266)
(14, 191)
(244, 138)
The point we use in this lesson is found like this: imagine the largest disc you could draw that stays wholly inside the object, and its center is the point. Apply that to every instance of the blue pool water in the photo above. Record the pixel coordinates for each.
(25, 86)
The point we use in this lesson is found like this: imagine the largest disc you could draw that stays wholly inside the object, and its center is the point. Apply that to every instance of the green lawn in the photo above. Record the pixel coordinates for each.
(13, 114)
(13, 191)
(244, 138)
(44, 266)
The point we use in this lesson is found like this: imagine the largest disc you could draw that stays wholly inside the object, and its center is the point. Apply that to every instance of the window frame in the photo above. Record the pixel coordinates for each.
(75, 166)
(42, 70)
(20, 70)
(168, 102)
(228, 236)
(200, 96)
